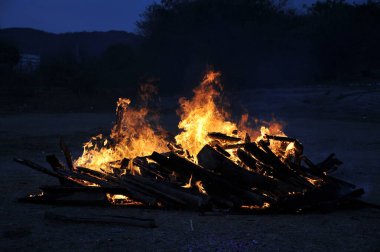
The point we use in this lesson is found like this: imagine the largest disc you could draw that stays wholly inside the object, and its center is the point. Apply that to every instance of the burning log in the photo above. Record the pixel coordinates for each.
(279, 169)
(247, 159)
(223, 137)
(143, 165)
(213, 183)
(167, 191)
(233, 146)
(281, 138)
(313, 169)
(211, 159)
(90, 189)
(221, 150)
(106, 180)
(84, 180)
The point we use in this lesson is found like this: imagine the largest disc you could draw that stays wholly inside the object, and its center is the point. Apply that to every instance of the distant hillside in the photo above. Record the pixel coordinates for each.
(85, 44)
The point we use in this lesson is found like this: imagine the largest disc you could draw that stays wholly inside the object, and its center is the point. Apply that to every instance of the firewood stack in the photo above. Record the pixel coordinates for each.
(254, 179)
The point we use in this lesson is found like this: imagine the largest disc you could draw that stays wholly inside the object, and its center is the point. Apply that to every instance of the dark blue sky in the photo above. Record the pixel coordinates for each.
(72, 15)
(79, 15)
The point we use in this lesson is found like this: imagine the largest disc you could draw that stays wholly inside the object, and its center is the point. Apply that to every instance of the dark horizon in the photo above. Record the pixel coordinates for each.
(67, 32)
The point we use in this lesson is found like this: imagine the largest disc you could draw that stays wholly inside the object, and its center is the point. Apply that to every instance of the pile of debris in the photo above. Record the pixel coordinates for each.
(258, 181)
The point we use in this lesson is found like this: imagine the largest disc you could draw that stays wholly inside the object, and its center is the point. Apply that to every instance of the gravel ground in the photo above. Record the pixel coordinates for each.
(343, 121)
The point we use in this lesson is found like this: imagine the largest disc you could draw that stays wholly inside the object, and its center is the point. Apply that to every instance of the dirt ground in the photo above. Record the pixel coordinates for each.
(343, 121)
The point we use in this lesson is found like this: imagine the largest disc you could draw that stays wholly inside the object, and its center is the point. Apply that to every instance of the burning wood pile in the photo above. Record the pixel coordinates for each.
(214, 164)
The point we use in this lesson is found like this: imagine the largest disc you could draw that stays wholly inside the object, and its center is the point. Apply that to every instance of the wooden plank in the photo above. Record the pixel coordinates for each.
(102, 219)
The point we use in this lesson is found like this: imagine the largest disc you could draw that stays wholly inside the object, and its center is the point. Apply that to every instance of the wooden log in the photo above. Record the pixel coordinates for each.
(137, 186)
(297, 145)
(66, 153)
(167, 198)
(138, 190)
(247, 159)
(58, 166)
(329, 164)
(106, 180)
(166, 167)
(44, 170)
(223, 137)
(221, 150)
(233, 146)
(287, 173)
(211, 159)
(281, 138)
(317, 172)
(275, 167)
(258, 153)
(54, 163)
(147, 170)
(160, 187)
(214, 183)
(89, 189)
(159, 158)
(124, 163)
(102, 219)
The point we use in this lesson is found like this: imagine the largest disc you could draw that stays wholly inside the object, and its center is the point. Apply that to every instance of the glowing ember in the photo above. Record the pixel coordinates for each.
(253, 207)
(200, 187)
(119, 199)
(188, 184)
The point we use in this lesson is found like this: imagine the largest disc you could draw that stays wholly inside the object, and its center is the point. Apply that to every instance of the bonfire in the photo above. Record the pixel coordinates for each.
(214, 164)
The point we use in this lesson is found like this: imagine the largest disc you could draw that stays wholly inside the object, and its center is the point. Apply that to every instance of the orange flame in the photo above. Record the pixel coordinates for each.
(204, 114)
(201, 115)
(133, 135)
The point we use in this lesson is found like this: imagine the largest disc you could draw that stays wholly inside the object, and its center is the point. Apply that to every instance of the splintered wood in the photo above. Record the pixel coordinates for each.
(257, 180)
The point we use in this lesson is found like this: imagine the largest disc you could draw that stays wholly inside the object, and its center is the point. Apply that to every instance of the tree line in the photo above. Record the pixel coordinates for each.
(253, 42)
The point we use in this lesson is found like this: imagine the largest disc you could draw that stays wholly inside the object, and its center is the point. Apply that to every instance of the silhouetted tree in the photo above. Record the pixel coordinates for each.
(260, 41)
(9, 54)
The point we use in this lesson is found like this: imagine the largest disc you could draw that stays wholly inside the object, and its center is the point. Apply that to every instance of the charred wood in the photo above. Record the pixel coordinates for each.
(221, 150)
(66, 153)
(214, 183)
(211, 159)
(247, 159)
(223, 137)
(181, 196)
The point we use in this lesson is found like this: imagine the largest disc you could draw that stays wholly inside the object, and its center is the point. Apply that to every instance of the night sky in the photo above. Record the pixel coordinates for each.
(80, 15)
